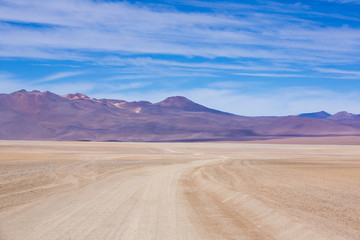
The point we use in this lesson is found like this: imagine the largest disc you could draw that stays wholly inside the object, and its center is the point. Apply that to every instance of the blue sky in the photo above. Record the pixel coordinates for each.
(245, 57)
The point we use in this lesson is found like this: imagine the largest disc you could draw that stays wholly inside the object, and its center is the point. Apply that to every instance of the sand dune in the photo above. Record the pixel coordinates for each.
(74, 190)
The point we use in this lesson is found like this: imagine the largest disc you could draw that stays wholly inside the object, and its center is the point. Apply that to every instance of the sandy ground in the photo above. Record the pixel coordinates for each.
(336, 140)
(74, 190)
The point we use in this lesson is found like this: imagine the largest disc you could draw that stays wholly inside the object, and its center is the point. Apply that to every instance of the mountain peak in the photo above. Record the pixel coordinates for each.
(343, 115)
(47, 116)
(22, 91)
(321, 114)
(176, 101)
(34, 93)
(76, 96)
(183, 103)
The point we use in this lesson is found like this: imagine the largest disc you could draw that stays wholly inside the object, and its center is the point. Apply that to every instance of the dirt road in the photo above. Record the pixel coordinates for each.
(74, 190)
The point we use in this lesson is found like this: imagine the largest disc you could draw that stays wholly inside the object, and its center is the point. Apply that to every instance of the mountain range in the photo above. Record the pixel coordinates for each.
(39, 115)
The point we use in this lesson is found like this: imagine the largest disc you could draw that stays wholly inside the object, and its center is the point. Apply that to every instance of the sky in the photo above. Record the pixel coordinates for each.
(252, 58)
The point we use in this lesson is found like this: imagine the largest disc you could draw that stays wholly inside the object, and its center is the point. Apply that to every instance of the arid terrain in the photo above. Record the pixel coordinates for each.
(83, 190)
(46, 116)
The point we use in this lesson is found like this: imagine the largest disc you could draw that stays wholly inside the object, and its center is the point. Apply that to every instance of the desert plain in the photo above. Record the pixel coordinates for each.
(87, 190)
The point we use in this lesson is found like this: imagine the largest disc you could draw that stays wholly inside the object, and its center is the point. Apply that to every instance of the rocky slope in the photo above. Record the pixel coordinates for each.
(46, 116)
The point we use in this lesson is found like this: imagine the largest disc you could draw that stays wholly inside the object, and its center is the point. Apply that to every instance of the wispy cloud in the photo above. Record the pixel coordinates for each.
(148, 61)
(281, 75)
(131, 85)
(10, 83)
(138, 29)
(224, 95)
(273, 102)
(339, 73)
(345, 1)
(234, 84)
(59, 75)
(210, 51)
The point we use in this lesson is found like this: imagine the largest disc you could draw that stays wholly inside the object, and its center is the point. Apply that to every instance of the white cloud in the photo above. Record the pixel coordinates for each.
(130, 85)
(59, 75)
(265, 40)
(147, 61)
(136, 29)
(270, 75)
(225, 96)
(232, 84)
(9, 83)
(283, 101)
(279, 102)
(66, 87)
(345, 1)
(340, 73)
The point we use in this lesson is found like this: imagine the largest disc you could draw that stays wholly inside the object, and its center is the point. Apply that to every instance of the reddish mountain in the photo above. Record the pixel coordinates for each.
(182, 103)
(46, 116)
(77, 96)
(344, 116)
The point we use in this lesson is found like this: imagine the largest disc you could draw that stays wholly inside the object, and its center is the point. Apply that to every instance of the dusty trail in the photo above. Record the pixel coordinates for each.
(178, 191)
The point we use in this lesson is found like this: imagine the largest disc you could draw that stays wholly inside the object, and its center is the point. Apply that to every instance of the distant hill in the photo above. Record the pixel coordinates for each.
(182, 103)
(344, 116)
(46, 116)
(320, 115)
